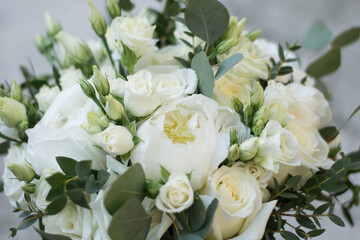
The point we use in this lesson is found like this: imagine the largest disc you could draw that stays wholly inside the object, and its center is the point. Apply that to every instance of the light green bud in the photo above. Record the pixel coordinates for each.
(237, 106)
(43, 44)
(29, 188)
(87, 88)
(52, 26)
(253, 35)
(96, 122)
(153, 188)
(128, 58)
(75, 48)
(258, 127)
(101, 83)
(12, 112)
(224, 46)
(15, 91)
(113, 8)
(248, 149)
(241, 25)
(23, 126)
(234, 153)
(233, 137)
(257, 96)
(114, 109)
(22, 171)
(97, 21)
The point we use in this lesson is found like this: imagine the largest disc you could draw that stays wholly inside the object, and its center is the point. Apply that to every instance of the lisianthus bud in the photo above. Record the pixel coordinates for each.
(257, 96)
(12, 112)
(233, 137)
(97, 21)
(29, 188)
(153, 188)
(96, 122)
(253, 35)
(114, 108)
(100, 82)
(258, 127)
(52, 26)
(15, 91)
(113, 8)
(22, 171)
(75, 48)
(234, 152)
(248, 149)
(87, 88)
(237, 106)
(43, 44)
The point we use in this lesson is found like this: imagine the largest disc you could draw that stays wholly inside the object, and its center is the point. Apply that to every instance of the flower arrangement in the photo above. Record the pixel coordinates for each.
(176, 124)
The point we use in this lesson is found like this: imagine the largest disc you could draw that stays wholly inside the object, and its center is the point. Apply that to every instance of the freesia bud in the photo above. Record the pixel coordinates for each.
(153, 189)
(97, 21)
(234, 153)
(233, 136)
(101, 83)
(29, 188)
(87, 88)
(22, 171)
(237, 106)
(12, 112)
(15, 91)
(52, 26)
(257, 96)
(248, 149)
(113, 8)
(114, 108)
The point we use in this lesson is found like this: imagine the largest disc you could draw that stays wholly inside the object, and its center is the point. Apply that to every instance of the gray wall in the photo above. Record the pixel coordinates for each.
(280, 20)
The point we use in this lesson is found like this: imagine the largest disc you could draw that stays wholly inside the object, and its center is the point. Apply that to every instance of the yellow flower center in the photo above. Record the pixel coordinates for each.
(176, 128)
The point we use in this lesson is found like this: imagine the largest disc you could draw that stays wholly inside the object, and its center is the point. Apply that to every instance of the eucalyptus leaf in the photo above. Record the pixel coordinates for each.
(130, 222)
(206, 19)
(102, 177)
(131, 184)
(77, 196)
(56, 205)
(48, 236)
(67, 165)
(56, 180)
(347, 37)
(318, 37)
(331, 186)
(228, 64)
(201, 65)
(91, 185)
(326, 64)
(196, 214)
(83, 169)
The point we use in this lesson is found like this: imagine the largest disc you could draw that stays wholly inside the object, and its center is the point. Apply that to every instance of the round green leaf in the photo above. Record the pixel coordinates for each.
(326, 64)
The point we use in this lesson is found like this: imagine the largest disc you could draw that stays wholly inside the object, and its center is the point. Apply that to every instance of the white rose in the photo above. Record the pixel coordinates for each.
(42, 189)
(149, 88)
(276, 146)
(115, 140)
(189, 137)
(70, 77)
(136, 33)
(239, 197)
(73, 221)
(176, 195)
(12, 186)
(59, 133)
(101, 216)
(46, 96)
(262, 175)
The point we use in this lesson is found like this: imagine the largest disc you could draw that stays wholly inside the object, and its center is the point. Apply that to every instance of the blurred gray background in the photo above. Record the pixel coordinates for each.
(280, 20)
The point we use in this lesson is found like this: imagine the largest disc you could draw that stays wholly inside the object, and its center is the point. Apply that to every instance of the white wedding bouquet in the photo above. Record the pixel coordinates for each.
(176, 124)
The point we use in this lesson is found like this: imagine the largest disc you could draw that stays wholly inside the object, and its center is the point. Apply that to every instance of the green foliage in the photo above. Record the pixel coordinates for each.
(317, 37)
(128, 58)
(326, 64)
(201, 65)
(126, 5)
(1, 186)
(130, 222)
(131, 184)
(346, 38)
(227, 64)
(165, 173)
(206, 19)
(48, 236)
(4, 147)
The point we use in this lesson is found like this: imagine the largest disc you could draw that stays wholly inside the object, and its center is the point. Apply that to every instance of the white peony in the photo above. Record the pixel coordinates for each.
(185, 136)
(147, 89)
(73, 221)
(176, 195)
(115, 140)
(46, 96)
(42, 189)
(276, 146)
(136, 33)
(59, 133)
(70, 77)
(12, 186)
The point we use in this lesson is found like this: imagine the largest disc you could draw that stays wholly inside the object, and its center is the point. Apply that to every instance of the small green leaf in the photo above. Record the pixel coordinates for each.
(228, 64)
(289, 235)
(165, 173)
(67, 165)
(329, 133)
(131, 184)
(322, 208)
(347, 37)
(315, 233)
(130, 222)
(326, 64)
(27, 222)
(196, 214)
(347, 215)
(293, 181)
(331, 186)
(91, 185)
(281, 53)
(318, 37)
(54, 193)
(183, 62)
(207, 19)
(77, 196)
(56, 205)
(288, 195)
(337, 220)
(83, 169)
(355, 166)
(56, 180)
(305, 222)
(102, 178)
(48, 236)
(128, 58)
(201, 65)
(210, 212)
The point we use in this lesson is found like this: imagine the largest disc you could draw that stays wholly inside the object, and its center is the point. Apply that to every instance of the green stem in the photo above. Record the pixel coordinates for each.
(279, 193)
(9, 139)
(108, 49)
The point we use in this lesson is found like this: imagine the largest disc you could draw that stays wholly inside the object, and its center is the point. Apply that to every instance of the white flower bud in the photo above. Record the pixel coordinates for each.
(257, 96)
(15, 91)
(248, 149)
(22, 171)
(97, 21)
(113, 8)
(52, 26)
(100, 82)
(234, 153)
(12, 112)
(114, 108)
(29, 188)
